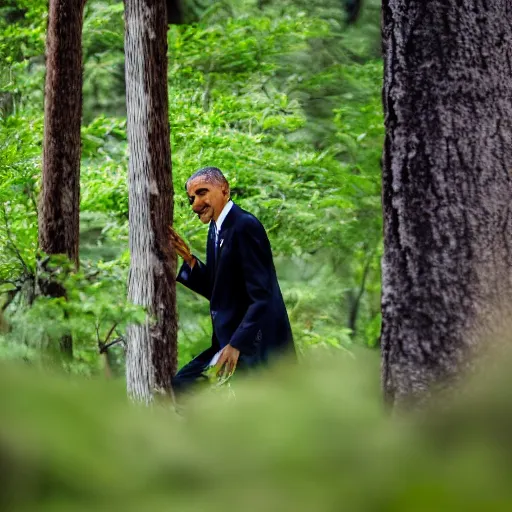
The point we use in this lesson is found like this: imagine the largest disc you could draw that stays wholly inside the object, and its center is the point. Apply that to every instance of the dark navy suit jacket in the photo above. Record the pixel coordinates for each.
(239, 280)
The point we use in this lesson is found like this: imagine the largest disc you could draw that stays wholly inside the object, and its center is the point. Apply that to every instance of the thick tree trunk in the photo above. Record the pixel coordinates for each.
(59, 202)
(151, 348)
(446, 188)
(60, 185)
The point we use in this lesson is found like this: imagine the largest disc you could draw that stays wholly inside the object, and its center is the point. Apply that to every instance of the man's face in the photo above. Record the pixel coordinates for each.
(207, 198)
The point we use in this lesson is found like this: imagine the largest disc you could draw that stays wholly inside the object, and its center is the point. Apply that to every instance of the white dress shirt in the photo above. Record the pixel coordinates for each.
(220, 220)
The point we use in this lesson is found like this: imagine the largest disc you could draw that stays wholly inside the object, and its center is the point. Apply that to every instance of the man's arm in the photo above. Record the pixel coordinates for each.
(195, 278)
(193, 273)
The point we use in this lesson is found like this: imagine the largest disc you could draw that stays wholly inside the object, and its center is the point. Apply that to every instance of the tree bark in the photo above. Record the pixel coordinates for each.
(59, 202)
(151, 348)
(447, 189)
(60, 185)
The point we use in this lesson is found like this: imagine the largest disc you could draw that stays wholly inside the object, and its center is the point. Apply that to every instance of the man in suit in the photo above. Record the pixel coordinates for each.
(249, 318)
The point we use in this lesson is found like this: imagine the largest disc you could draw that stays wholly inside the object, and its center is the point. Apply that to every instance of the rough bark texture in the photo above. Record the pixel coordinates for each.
(446, 188)
(60, 185)
(59, 201)
(151, 348)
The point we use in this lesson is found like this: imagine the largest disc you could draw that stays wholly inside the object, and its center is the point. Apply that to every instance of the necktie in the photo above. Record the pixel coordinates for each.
(212, 236)
(216, 239)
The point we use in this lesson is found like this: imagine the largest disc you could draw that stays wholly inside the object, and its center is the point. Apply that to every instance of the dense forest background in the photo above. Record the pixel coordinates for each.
(285, 97)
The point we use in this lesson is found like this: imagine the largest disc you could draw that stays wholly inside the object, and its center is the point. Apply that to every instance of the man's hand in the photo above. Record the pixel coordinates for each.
(181, 248)
(228, 359)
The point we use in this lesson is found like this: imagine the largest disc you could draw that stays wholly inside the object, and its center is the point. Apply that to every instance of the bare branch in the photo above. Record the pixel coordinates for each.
(105, 347)
(97, 326)
(110, 332)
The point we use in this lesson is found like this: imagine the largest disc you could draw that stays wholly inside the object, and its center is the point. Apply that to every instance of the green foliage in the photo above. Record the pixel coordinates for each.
(103, 38)
(19, 170)
(284, 98)
(310, 439)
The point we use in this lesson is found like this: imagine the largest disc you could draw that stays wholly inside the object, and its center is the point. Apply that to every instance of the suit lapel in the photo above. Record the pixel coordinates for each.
(225, 231)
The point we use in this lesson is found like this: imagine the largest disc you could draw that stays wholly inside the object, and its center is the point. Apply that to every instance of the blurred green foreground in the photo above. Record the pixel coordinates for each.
(302, 440)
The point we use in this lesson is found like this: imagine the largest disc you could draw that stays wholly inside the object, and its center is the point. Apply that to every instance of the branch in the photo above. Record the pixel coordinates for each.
(110, 332)
(104, 348)
(355, 305)
(104, 345)
(9, 281)
(11, 295)
(97, 326)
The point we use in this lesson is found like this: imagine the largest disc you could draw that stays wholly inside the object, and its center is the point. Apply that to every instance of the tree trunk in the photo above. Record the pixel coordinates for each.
(354, 301)
(60, 185)
(446, 189)
(59, 203)
(353, 10)
(152, 347)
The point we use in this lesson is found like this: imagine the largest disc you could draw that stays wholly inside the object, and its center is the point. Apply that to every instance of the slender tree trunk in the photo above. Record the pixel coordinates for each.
(59, 203)
(151, 348)
(354, 301)
(353, 9)
(446, 188)
(60, 185)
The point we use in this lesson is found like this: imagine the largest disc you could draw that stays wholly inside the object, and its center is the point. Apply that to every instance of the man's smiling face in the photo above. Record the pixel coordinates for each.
(207, 198)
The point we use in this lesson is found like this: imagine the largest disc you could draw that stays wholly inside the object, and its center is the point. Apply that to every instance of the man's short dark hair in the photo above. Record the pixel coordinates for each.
(210, 174)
